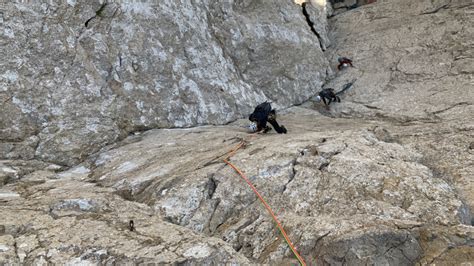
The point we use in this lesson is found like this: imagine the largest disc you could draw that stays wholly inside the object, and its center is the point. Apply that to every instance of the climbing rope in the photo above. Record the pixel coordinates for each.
(280, 227)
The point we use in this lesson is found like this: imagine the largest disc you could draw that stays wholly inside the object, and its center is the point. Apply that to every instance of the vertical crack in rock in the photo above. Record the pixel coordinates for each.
(292, 173)
(311, 25)
(98, 13)
(15, 246)
(211, 186)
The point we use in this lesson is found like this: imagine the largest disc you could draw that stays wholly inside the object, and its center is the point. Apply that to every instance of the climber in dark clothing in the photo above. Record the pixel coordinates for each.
(262, 114)
(344, 62)
(330, 95)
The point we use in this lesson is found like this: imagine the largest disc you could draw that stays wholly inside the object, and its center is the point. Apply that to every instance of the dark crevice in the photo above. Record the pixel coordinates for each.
(371, 107)
(311, 25)
(445, 6)
(15, 246)
(318, 240)
(98, 13)
(219, 225)
(211, 187)
(135, 66)
(292, 174)
(323, 166)
(450, 107)
(87, 21)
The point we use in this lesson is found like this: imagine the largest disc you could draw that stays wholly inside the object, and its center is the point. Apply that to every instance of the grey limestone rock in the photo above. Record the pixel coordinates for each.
(382, 178)
(78, 75)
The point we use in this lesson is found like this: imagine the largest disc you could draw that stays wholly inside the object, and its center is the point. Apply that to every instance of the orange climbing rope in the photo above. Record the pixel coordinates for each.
(280, 227)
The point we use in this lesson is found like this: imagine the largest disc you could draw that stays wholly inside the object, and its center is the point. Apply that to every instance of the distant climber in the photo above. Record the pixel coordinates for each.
(131, 226)
(262, 114)
(330, 95)
(344, 62)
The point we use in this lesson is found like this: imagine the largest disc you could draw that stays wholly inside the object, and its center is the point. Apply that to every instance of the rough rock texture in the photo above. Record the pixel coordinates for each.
(345, 192)
(417, 71)
(382, 178)
(77, 75)
(316, 13)
(82, 223)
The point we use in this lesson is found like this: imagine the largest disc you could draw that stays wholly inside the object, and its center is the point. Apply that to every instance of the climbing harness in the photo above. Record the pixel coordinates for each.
(280, 227)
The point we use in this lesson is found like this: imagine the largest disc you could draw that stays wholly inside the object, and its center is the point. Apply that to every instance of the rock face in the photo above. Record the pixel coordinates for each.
(345, 191)
(76, 76)
(382, 178)
(416, 71)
